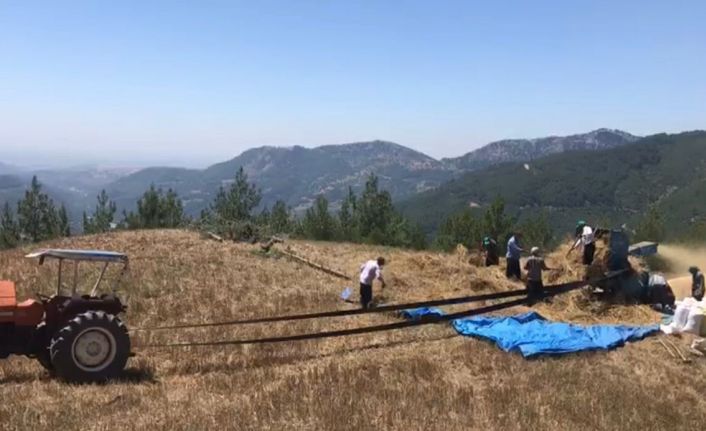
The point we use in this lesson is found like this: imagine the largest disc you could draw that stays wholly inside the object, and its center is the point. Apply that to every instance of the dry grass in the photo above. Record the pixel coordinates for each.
(421, 378)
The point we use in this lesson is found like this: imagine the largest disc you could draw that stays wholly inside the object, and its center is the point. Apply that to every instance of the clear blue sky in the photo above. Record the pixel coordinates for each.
(200, 81)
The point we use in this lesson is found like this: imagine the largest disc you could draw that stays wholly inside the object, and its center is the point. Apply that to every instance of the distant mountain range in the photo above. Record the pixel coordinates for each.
(297, 175)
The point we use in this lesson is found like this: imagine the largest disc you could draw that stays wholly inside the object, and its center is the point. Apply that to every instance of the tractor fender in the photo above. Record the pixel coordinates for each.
(81, 304)
(59, 310)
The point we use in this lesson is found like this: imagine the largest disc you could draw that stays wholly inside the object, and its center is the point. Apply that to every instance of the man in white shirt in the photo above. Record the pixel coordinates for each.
(369, 271)
(587, 239)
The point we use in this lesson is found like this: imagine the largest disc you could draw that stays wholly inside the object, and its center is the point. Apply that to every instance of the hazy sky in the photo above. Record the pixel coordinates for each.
(195, 82)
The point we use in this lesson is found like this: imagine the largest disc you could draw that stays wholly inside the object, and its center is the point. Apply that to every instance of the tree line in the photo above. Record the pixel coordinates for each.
(369, 217)
(37, 218)
(469, 228)
(366, 218)
(34, 218)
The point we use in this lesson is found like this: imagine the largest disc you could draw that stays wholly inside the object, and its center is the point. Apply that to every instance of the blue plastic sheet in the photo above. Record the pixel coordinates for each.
(532, 335)
(419, 313)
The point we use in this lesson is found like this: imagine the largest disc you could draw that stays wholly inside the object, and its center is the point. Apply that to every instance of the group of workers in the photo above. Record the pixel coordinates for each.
(534, 265)
(584, 238)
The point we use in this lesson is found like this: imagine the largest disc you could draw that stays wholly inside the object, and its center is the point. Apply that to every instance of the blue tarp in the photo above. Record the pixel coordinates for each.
(532, 335)
(419, 313)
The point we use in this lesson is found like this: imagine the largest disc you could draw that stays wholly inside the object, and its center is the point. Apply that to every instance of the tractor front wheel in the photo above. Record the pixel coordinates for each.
(92, 347)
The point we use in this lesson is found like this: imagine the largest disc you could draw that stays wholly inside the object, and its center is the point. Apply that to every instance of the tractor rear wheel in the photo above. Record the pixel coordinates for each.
(92, 347)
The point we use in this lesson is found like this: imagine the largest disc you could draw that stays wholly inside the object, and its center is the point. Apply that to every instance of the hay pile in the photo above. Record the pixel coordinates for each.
(411, 275)
(580, 306)
(419, 276)
(425, 377)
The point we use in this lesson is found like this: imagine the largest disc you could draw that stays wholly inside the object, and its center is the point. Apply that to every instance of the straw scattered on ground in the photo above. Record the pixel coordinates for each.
(421, 378)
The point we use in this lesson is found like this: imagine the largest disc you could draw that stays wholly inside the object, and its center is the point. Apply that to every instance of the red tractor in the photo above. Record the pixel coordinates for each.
(79, 338)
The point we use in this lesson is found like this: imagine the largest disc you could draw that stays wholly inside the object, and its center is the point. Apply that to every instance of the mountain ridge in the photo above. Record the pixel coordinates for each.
(297, 174)
(610, 187)
(516, 150)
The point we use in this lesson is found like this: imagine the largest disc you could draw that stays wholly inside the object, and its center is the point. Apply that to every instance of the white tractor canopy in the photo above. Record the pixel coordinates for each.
(79, 255)
(76, 256)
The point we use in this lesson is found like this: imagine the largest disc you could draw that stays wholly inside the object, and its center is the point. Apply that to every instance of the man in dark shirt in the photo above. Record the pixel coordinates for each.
(534, 267)
(490, 250)
(697, 283)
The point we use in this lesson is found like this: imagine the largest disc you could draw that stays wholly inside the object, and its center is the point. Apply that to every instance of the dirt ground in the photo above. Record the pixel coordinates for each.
(418, 378)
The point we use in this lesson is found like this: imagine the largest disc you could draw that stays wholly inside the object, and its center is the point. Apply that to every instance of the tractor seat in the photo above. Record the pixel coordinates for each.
(8, 298)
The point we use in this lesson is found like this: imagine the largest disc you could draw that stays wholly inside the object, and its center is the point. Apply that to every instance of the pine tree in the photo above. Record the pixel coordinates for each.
(102, 217)
(64, 227)
(347, 218)
(9, 231)
(280, 218)
(263, 219)
(148, 209)
(496, 223)
(536, 231)
(29, 212)
(37, 217)
(461, 228)
(370, 218)
(375, 214)
(238, 201)
(172, 210)
(155, 210)
(318, 224)
(415, 237)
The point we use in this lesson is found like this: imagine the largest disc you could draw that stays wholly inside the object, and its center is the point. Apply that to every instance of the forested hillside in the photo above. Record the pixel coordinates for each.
(609, 187)
(295, 175)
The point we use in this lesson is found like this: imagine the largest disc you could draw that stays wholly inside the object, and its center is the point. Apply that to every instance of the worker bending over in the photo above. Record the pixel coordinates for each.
(585, 237)
(370, 271)
(697, 283)
(513, 257)
(534, 267)
(656, 290)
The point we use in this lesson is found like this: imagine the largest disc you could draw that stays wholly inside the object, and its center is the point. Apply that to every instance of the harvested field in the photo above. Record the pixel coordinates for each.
(418, 378)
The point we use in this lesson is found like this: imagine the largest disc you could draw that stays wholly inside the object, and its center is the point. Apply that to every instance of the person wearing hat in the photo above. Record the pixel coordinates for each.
(534, 267)
(697, 283)
(586, 238)
(490, 250)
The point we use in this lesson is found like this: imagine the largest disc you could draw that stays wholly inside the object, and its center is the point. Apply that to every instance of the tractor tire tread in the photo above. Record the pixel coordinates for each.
(63, 361)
